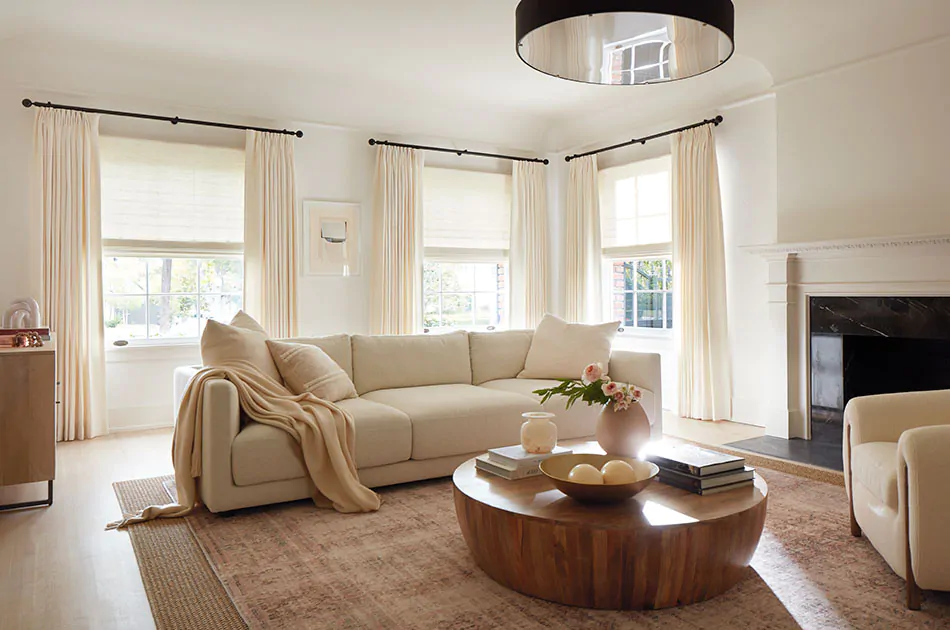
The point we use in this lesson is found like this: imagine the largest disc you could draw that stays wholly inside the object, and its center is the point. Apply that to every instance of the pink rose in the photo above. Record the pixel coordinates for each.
(619, 396)
(621, 405)
(593, 373)
(611, 389)
(637, 394)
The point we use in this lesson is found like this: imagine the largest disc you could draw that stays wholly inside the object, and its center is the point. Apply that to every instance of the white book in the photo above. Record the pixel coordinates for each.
(483, 463)
(515, 456)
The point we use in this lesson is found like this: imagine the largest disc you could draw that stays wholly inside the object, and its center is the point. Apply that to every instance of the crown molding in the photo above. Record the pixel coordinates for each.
(938, 244)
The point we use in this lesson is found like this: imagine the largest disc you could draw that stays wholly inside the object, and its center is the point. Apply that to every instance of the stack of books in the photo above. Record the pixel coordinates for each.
(700, 470)
(513, 462)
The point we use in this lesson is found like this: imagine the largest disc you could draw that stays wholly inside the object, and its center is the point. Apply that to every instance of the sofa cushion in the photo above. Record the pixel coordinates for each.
(223, 345)
(577, 422)
(455, 419)
(562, 350)
(308, 369)
(388, 362)
(874, 466)
(261, 453)
(337, 348)
(497, 355)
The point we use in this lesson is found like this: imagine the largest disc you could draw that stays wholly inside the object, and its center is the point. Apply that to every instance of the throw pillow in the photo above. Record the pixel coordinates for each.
(560, 350)
(244, 340)
(310, 369)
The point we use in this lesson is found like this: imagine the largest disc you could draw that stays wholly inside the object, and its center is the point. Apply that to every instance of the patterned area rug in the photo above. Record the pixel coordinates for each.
(407, 566)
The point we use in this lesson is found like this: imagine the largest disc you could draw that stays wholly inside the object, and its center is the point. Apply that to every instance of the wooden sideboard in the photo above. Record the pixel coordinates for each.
(28, 418)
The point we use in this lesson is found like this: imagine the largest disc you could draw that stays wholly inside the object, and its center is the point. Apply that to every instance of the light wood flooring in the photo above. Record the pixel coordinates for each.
(60, 569)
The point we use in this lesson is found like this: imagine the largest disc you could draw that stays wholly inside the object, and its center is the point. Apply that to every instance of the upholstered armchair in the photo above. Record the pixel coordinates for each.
(897, 474)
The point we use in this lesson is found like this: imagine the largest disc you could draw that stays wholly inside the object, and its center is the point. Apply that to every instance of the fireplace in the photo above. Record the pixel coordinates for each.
(860, 346)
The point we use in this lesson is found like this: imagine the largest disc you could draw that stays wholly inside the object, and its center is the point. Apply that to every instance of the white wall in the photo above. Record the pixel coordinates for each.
(863, 149)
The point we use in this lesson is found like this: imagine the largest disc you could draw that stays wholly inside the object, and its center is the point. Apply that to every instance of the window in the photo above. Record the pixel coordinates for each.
(636, 234)
(642, 293)
(466, 235)
(172, 233)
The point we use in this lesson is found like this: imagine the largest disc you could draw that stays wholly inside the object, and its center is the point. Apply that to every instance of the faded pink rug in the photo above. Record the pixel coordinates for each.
(407, 566)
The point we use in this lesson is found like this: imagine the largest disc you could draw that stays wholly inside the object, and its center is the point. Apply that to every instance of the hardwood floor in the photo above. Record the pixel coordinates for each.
(60, 569)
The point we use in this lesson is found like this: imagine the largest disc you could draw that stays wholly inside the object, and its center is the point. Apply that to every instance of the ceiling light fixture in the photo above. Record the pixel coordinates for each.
(625, 42)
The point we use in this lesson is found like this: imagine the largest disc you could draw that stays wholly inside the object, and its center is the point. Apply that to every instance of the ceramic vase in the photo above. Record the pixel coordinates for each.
(538, 433)
(623, 433)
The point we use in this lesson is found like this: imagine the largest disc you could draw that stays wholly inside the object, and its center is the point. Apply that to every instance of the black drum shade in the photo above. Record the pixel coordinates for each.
(625, 42)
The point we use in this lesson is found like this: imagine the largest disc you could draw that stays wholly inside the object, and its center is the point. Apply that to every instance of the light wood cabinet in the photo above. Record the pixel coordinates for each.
(28, 418)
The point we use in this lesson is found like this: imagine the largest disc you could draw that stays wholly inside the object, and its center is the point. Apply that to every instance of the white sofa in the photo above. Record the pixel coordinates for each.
(426, 403)
(897, 462)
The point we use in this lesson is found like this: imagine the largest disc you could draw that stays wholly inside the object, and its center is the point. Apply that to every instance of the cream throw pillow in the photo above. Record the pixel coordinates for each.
(310, 369)
(243, 340)
(560, 350)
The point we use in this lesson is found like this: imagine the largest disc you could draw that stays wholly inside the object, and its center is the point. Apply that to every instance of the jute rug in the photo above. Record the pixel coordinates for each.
(407, 566)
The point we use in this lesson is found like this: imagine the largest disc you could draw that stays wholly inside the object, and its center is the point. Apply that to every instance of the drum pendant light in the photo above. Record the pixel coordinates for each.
(625, 42)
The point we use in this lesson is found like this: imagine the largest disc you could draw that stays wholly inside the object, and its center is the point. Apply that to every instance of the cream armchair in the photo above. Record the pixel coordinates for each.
(897, 471)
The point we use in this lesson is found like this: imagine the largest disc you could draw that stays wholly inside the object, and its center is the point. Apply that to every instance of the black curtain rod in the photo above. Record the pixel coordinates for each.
(173, 120)
(373, 141)
(709, 121)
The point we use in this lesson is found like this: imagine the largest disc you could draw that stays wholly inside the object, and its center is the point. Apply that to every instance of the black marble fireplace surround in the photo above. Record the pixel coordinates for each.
(873, 345)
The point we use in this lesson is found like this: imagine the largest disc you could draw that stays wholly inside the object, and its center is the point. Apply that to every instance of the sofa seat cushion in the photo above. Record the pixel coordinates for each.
(577, 422)
(261, 453)
(456, 419)
(874, 466)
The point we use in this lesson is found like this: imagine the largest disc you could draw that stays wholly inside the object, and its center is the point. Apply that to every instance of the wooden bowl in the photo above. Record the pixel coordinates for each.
(558, 468)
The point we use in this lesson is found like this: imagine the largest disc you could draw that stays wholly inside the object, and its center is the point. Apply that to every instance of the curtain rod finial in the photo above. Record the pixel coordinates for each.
(718, 119)
(27, 102)
(546, 161)
(372, 142)
(299, 133)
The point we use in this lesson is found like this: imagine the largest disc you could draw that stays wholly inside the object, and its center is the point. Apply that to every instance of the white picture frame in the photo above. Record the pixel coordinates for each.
(332, 242)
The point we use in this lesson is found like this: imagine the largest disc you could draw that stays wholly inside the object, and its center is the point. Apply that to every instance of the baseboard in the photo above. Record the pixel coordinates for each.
(123, 419)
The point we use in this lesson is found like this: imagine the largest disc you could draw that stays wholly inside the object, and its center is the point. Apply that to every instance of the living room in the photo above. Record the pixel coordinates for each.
(411, 189)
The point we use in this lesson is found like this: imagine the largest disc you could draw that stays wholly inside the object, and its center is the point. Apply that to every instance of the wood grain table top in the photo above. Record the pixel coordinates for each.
(658, 506)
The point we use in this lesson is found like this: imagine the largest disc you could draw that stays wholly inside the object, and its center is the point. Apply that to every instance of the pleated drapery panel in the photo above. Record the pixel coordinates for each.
(528, 257)
(270, 232)
(397, 242)
(699, 272)
(583, 257)
(66, 196)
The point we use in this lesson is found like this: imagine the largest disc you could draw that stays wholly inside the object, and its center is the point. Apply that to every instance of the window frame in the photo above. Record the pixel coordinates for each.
(664, 252)
(174, 250)
(468, 256)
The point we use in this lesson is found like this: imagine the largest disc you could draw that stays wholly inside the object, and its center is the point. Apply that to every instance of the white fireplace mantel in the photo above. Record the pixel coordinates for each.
(885, 266)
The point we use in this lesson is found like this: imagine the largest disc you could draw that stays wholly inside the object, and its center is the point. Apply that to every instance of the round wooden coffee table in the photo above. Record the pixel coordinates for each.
(661, 548)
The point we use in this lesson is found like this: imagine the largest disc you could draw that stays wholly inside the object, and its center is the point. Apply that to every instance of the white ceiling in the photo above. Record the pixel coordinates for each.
(430, 67)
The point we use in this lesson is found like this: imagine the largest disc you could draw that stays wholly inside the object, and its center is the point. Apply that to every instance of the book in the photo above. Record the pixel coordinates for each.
(707, 491)
(483, 463)
(709, 481)
(693, 460)
(515, 456)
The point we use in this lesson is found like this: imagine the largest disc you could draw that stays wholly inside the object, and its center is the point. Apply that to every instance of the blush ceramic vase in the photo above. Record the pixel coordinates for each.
(538, 433)
(623, 433)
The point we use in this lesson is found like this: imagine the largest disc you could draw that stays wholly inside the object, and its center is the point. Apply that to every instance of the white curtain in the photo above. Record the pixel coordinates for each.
(583, 257)
(699, 272)
(528, 251)
(695, 48)
(66, 196)
(398, 249)
(270, 232)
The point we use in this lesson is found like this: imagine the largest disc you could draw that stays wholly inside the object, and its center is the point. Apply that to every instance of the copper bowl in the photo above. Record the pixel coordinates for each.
(558, 468)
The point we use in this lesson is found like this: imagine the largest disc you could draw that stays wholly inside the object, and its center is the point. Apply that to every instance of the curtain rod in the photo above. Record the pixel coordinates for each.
(173, 120)
(709, 121)
(373, 141)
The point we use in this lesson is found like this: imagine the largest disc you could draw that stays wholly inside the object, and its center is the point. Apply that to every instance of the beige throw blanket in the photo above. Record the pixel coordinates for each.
(324, 431)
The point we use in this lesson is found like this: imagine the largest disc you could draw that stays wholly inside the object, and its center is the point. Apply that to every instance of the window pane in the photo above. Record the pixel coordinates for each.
(457, 310)
(486, 277)
(221, 308)
(172, 275)
(431, 315)
(123, 275)
(669, 310)
(669, 275)
(655, 230)
(650, 310)
(487, 309)
(653, 194)
(458, 277)
(650, 275)
(431, 273)
(623, 305)
(224, 275)
(173, 316)
(124, 318)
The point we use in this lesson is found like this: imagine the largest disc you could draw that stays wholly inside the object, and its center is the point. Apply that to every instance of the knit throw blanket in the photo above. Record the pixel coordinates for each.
(324, 431)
